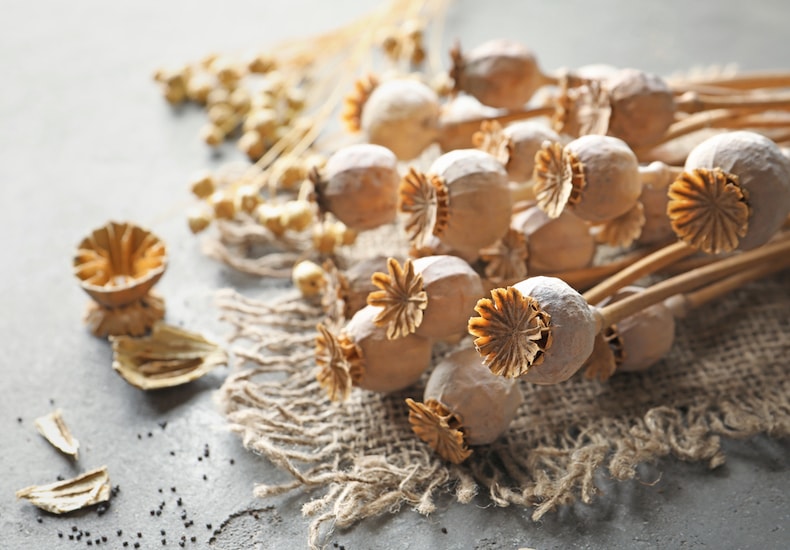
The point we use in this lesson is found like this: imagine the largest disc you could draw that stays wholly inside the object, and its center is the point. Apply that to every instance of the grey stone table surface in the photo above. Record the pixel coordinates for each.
(86, 137)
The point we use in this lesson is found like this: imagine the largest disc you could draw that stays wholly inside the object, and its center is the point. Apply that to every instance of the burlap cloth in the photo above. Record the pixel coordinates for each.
(726, 376)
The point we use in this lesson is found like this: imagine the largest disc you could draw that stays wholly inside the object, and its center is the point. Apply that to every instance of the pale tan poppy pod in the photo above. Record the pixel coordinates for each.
(539, 329)
(734, 193)
(597, 176)
(117, 265)
(554, 244)
(463, 404)
(525, 138)
(359, 185)
(643, 106)
(656, 178)
(432, 297)
(402, 115)
(641, 340)
(500, 73)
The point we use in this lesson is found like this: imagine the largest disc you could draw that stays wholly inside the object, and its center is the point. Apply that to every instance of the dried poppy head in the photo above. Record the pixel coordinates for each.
(540, 330)
(734, 193)
(597, 176)
(117, 265)
(463, 404)
(465, 201)
(359, 185)
(402, 115)
(643, 106)
(499, 73)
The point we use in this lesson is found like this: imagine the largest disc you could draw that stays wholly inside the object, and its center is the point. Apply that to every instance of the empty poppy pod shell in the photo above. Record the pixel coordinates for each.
(402, 115)
(453, 289)
(479, 199)
(573, 328)
(359, 185)
(500, 73)
(485, 403)
(119, 263)
(387, 365)
(643, 107)
(762, 173)
(611, 174)
(554, 244)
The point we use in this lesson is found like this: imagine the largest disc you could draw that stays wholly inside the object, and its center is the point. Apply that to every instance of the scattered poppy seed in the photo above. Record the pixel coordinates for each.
(150, 434)
(232, 462)
(444, 530)
(163, 424)
(193, 539)
(173, 489)
(125, 544)
(208, 526)
(119, 532)
(159, 512)
(39, 520)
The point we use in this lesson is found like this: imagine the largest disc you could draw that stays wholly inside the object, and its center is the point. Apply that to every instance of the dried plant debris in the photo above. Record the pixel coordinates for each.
(68, 495)
(54, 430)
(169, 357)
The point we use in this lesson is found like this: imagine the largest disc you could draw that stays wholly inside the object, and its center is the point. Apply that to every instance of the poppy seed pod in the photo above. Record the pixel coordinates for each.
(463, 404)
(359, 185)
(432, 296)
(734, 193)
(465, 201)
(363, 356)
(598, 176)
(402, 115)
(500, 73)
(539, 329)
(643, 106)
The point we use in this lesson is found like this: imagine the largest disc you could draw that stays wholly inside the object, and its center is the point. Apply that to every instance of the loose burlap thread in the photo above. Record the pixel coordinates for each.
(726, 376)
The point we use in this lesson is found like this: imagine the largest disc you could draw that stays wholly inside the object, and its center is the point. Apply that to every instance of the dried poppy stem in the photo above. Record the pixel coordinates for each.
(649, 264)
(505, 118)
(742, 82)
(694, 279)
(694, 102)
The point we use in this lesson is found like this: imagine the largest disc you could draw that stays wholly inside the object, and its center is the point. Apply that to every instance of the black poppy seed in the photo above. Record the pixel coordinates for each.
(60, 535)
(208, 526)
(126, 544)
(119, 532)
(97, 542)
(206, 453)
(173, 489)
(159, 512)
(19, 419)
(51, 401)
(89, 542)
(182, 544)
(139, 535)
(162, 505)
(74, 529)
(162, 532)
(39, 520)
(71, 537)
(200, 459)
(334, 544)
(193, 539)
(179, 501)
(232, 462)
(102, 509)
(444, 530)
(164, 542)
(163, 424)
(150, 434)
(160, 489)
(103, 538)
(87, 533)
(189, 523)
(139, 436)
(152, 512)
(60, 477)
(172, 453)
(137, 545)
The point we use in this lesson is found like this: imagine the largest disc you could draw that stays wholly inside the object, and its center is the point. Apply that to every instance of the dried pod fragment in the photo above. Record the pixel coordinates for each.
(338, 364)
(66, 496)
(168, 357)
(133, 319)
(708, 209)
(119, 263)
(54, 430)
(401, 298)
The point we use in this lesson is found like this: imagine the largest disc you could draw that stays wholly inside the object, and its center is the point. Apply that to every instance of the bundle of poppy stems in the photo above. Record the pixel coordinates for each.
(507, 185)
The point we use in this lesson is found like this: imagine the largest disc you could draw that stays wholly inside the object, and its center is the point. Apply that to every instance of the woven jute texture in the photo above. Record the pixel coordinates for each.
(725, 377)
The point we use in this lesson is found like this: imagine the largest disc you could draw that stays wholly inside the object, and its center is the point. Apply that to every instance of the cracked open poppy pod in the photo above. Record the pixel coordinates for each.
(463, 404)
(359, 185)
(117, 265)
(734, 193)
(464, 199)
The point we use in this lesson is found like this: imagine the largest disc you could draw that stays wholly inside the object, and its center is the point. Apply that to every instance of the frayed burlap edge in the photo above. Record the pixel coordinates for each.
(363, 460)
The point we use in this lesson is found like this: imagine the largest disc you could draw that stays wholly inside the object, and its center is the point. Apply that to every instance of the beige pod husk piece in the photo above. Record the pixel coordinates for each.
(403, 116)
(747, 177)
(463, 404)
(117, 265)
(554, 244)
(359, 185)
